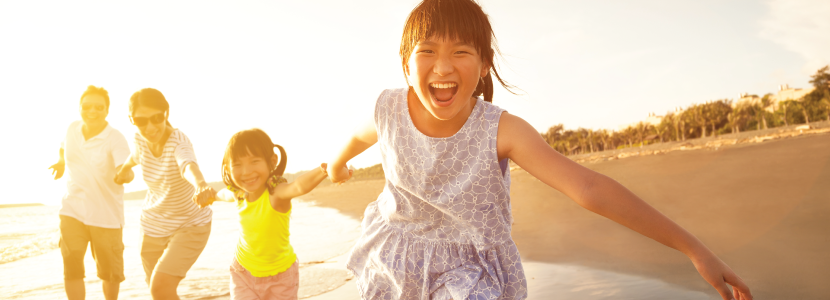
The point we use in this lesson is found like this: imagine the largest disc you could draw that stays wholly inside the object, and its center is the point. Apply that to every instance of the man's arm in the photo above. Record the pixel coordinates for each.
(59, 167)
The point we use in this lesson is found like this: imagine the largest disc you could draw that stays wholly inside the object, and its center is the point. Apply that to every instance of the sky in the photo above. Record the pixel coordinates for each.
(308, 72)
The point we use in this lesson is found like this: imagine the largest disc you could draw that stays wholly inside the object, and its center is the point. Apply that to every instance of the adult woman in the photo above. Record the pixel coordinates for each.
(174, 217)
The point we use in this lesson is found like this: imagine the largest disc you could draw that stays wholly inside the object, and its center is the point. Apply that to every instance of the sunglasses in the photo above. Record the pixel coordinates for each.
(97, 107)
(142, 121)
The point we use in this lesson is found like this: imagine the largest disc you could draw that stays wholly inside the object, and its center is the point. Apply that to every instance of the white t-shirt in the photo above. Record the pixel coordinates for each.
(92, 196)
(168, 205)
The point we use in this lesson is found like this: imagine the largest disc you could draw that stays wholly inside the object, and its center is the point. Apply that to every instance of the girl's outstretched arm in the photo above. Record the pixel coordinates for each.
(600, 194)
(225, 195)
(303, 184)
(364, 137)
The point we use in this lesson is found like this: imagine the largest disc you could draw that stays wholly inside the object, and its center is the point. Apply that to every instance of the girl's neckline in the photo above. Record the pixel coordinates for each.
(412, 123)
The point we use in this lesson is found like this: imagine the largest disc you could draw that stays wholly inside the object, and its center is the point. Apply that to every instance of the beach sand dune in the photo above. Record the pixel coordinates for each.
(763, 208)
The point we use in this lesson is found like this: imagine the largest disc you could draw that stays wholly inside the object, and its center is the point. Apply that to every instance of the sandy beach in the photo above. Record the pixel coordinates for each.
(764, 208)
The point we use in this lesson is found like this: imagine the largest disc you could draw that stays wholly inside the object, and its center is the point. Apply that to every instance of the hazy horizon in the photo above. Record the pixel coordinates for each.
(225, 67)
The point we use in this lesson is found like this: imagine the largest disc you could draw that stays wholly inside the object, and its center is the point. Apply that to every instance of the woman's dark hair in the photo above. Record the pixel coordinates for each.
(251, 142)
(149, 97)
(461, 20)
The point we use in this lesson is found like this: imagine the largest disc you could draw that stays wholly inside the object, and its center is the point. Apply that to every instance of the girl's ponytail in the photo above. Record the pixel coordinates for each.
(280, 169)
(485, 88)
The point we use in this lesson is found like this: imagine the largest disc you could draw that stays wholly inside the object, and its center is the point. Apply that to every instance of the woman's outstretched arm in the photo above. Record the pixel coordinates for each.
(600, 194)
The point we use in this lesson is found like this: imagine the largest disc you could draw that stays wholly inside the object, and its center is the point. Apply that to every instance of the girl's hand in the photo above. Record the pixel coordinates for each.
(124, 175)
(339, 174)
(720, 276)
(57, 169)
(204, 196)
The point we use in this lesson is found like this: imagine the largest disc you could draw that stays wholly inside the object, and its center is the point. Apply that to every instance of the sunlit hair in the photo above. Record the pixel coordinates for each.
(253, 142)
(457, 20)
(149, 97)
(94, 90)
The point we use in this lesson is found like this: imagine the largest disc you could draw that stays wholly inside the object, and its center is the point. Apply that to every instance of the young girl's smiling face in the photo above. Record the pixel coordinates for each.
(250, 173)
(444, 74)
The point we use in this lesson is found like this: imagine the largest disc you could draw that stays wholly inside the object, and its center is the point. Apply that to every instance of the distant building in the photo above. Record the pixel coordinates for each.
(785, 92)
(652, 119)
(746, 98)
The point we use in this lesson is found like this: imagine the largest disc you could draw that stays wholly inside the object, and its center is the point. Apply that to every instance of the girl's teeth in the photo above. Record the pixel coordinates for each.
(442, 85)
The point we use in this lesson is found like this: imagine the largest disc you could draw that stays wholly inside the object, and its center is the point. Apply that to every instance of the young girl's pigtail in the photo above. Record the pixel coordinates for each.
(280, 169)
(276, 175)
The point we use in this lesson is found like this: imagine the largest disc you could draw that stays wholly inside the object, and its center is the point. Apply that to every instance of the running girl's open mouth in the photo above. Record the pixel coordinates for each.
(443, 93)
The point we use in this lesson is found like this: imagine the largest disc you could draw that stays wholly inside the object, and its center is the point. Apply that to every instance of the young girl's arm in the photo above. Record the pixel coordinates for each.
(364, 137)
(303, 184)
(225, 195)
(600, 194)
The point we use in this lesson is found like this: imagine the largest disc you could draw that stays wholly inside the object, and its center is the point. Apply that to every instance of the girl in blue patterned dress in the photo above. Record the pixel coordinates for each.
(441, 227)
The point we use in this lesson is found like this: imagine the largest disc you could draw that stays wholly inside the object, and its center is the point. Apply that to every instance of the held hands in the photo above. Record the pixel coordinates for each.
(124, 175)
(57, 169)
(337, 174)
(720, 276)
(205, 195)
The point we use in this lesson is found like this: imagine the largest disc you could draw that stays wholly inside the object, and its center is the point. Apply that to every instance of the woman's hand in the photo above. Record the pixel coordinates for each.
(124, 175)
(205, 195)
(338, 174)
(720, 276)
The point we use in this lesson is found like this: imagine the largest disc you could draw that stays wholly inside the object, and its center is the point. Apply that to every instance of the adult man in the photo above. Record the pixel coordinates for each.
(92, 210)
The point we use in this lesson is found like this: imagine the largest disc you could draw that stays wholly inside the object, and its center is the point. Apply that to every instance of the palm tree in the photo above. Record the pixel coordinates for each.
(604, 137)
(641, 130)
(661, 129)
(762, 110)
(784, 105)
(718, 112)
(699, 115)
(821, 81)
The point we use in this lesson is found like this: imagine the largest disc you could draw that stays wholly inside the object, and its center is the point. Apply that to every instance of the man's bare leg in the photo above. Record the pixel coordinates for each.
(110, 289)
(75, 289)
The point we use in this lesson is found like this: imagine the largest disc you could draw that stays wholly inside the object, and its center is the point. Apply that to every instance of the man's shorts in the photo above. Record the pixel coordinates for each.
(175, 254)
(107, 250)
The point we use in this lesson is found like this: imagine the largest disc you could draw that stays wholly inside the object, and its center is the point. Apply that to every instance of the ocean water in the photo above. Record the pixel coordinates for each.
(31, 264)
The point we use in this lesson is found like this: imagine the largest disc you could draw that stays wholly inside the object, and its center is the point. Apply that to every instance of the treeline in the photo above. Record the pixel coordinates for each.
(701, 120)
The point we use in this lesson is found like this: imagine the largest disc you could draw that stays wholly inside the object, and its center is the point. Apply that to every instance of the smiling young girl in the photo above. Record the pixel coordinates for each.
(441, 227)
(265, 265)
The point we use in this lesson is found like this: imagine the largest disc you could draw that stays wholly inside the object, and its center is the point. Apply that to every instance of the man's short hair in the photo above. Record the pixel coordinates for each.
(94, 90)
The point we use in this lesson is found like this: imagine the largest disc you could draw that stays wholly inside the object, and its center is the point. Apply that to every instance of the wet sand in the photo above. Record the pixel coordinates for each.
(764, 208)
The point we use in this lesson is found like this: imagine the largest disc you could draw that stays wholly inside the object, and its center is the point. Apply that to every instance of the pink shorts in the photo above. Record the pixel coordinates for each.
(245, 286)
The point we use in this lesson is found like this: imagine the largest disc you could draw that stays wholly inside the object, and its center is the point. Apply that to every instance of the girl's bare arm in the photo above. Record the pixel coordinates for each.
(364, 137)
(301, 186)
(600, 194)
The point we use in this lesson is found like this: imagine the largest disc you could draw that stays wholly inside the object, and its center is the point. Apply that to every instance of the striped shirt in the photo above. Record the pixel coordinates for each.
(168, 205)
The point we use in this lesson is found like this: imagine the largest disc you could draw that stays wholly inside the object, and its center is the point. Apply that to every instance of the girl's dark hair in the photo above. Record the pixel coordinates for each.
(461, 20)
(151, 98)
(251, 142)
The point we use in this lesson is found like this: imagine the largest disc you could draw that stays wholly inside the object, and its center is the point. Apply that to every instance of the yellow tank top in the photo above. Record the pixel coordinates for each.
(263, 247)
